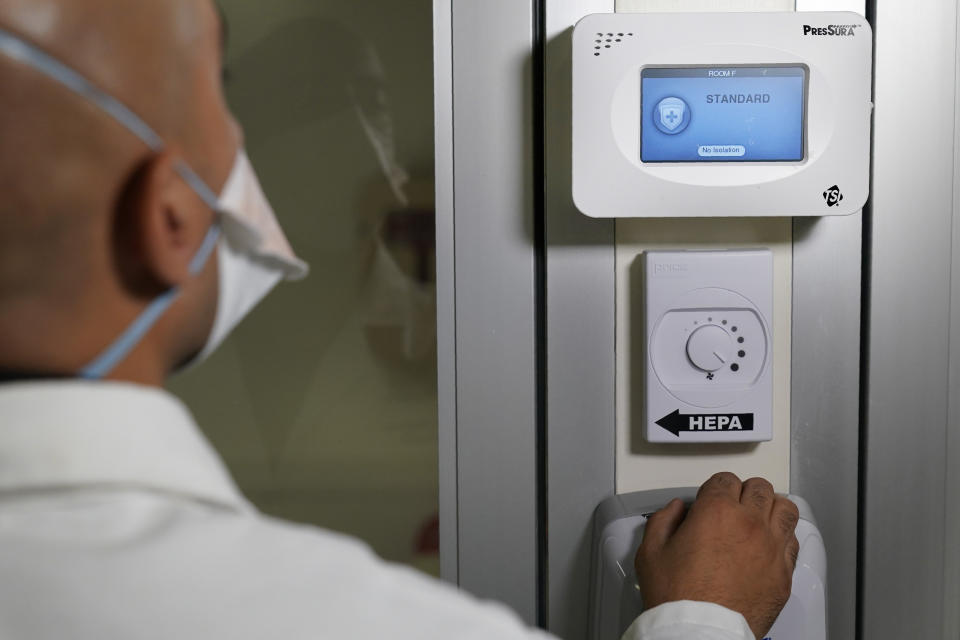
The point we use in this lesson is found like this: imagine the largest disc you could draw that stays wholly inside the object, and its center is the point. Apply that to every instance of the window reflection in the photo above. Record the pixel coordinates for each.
(323, 402)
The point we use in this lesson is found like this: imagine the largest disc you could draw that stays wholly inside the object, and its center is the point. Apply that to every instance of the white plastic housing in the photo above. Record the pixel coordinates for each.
(615, 597)
(708, 352)
(609, 178)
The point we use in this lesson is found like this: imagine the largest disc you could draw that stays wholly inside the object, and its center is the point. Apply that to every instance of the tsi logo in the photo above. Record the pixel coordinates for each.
(833, 196)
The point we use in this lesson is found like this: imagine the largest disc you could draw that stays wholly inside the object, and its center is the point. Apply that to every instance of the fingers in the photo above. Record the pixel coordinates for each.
(723, 484)
(784, 516)
(792, 552)
(661, 525)
(757, 494)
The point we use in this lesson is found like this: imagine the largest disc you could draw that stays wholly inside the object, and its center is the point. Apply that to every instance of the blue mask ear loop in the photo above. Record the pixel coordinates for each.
(133, 334)
(24, 52)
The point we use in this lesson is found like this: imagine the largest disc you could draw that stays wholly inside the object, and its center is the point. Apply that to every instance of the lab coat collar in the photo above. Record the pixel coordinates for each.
(65, 434)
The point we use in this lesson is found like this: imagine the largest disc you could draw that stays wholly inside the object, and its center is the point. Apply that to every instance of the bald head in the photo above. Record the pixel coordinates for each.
(157, 56)
(74, 230)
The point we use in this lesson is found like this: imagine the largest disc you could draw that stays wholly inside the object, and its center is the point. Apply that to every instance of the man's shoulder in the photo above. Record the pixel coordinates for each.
(177, 565)
(339, 582)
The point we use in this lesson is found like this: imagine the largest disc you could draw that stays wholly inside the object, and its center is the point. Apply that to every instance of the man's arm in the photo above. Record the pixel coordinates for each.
(721, 570)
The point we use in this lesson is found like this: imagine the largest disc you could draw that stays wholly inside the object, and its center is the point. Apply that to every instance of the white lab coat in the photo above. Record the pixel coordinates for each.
(118, 520)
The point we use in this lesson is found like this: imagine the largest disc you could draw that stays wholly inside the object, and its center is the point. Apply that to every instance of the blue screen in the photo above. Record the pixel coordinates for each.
(723, 114)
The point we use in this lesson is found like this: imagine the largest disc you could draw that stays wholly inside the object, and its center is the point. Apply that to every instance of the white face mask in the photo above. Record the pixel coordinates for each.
(253, 253)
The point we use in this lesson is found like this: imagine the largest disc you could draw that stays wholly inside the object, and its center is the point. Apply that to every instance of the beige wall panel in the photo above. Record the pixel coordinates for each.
(641, 465)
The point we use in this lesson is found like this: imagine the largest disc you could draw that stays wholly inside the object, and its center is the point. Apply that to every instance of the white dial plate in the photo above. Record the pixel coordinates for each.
(708, 363)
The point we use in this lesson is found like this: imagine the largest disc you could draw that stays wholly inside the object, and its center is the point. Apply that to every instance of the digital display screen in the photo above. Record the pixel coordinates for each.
(723, 114)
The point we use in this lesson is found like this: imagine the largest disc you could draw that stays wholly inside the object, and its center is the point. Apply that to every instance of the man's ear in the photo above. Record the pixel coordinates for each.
(168, 221)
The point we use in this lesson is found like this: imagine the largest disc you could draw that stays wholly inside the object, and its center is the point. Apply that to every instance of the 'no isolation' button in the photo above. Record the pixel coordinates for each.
(720, 150)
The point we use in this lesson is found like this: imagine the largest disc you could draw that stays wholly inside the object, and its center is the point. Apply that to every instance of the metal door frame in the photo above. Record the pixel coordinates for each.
(527, 428)
(479, 43)
(487, 299)
(825, 368)
(911, 503)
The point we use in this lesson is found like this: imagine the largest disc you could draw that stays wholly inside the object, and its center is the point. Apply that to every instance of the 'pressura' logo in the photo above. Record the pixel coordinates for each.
(833, 196)
(831, 30)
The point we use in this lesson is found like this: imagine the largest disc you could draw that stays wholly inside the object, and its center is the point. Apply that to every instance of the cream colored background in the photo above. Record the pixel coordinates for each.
(641, 465)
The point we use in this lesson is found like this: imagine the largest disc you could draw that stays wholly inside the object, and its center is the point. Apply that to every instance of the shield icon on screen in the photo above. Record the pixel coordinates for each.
(671, 112)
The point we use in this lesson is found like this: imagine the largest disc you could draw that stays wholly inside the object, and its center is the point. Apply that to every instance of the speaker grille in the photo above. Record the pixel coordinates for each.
(604, 41)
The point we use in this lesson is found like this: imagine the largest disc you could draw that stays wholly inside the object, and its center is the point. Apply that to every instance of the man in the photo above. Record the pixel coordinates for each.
(119, 263)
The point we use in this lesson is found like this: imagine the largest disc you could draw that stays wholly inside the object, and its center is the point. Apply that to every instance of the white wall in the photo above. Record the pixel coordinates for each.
(641, 465)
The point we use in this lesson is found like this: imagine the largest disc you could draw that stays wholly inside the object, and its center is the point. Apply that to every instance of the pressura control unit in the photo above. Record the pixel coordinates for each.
(721, 114)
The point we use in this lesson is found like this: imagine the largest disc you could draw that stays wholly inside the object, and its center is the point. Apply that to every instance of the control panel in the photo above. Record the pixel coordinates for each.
(721, 114)
(708, 346)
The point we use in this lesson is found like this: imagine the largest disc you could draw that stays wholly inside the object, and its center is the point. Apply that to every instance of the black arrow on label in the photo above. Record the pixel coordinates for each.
(676, 422)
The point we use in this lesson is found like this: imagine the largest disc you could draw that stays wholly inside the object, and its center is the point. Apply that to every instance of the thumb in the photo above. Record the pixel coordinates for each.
(662, 525)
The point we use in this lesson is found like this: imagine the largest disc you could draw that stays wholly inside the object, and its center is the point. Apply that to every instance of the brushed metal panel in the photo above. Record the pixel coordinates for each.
(580, 308)
(446, 295)
(825, 402)
(495, 293)
(951, 565)
(909, 321)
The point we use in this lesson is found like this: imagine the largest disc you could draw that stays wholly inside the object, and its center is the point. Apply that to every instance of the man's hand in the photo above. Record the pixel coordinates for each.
(736, 547)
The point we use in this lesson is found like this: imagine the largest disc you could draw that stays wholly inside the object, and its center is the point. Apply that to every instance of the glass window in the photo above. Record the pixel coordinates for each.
(323, 402)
